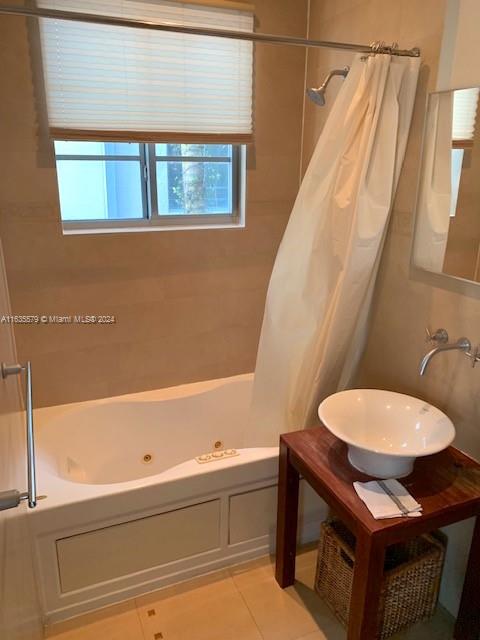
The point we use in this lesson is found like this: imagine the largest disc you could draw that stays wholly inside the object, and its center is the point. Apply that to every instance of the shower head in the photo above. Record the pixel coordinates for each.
(318, 95)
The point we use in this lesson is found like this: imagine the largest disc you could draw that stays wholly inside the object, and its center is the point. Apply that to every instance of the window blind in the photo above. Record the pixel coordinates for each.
(464, 113)
(122, 83)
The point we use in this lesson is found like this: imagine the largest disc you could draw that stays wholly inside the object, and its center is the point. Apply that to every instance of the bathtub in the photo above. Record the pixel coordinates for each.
(138, 493)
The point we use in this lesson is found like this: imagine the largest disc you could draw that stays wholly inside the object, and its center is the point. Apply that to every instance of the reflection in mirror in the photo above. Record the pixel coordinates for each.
(447, 229)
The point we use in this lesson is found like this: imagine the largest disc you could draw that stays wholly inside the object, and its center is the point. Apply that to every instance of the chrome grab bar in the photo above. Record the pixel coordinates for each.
(31, 493)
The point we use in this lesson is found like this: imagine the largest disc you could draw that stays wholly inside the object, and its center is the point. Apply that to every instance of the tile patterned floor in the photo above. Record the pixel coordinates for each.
(241, 603)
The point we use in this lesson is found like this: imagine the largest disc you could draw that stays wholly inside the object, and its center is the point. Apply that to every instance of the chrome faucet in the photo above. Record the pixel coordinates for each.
(441, 338)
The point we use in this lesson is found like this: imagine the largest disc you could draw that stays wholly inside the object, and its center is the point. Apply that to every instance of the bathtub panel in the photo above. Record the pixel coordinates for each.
(109, 553)
(252, 514)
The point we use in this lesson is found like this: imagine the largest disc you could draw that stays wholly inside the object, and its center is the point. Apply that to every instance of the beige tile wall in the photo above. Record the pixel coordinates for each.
(189, 304)
(406, 302)
(20, 615)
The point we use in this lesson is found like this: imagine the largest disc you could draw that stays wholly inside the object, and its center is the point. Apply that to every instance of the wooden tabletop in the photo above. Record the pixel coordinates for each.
(447, 484)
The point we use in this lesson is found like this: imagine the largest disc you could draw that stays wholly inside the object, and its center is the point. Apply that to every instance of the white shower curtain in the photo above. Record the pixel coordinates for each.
(435, 197)
(316, 311)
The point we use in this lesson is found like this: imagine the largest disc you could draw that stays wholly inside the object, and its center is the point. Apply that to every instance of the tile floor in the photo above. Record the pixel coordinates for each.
(241, 603)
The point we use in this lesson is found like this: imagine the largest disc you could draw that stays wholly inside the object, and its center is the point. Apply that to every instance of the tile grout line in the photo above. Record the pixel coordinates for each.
(305, 77)
(144, 633)
(245, 603)
(253, 617)
(250, 611)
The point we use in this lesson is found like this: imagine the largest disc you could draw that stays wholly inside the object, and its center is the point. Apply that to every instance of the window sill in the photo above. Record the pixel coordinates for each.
(85, 229)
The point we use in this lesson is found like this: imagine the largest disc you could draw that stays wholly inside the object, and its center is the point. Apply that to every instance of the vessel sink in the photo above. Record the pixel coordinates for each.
(385, 431)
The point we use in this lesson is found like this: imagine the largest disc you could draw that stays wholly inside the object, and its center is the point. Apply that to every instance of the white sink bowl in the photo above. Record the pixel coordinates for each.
(385, 431)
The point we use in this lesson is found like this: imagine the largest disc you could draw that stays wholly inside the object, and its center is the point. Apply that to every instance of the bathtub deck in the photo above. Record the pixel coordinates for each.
(241, 603)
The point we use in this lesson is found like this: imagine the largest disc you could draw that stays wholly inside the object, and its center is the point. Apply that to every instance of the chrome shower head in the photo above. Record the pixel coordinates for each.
(318, 95)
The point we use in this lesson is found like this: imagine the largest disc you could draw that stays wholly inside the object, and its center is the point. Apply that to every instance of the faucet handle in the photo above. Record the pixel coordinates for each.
(440, 336)
(474, 355)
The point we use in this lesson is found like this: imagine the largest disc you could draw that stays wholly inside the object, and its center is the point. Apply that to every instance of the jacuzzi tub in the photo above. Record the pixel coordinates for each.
(129, 508)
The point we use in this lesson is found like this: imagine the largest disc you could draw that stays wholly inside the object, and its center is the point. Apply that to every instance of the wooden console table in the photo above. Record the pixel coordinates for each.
(447, 485)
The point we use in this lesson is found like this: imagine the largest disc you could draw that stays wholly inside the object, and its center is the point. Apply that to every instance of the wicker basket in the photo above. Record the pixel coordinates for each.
(411, 580)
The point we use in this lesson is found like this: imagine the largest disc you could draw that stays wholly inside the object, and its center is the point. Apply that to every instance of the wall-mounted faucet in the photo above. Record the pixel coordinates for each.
(440, 337)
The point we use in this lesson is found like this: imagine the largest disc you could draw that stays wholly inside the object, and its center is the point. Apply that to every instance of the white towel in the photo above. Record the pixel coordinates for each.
(387, 499)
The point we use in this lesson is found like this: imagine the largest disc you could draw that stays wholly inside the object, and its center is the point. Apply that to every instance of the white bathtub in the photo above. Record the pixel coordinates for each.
(128, 508)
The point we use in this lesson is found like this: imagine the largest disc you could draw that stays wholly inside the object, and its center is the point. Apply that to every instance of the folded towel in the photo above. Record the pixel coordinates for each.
(387, 499)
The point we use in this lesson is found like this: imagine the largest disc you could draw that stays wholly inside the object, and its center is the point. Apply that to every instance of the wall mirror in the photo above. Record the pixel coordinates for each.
(447, 227)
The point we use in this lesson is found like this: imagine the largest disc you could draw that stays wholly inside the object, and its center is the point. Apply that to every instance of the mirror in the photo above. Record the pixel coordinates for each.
(447, 227)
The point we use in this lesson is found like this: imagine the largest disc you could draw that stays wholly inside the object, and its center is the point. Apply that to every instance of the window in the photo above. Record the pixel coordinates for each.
(108, 83)
(465, 103)
(129, 184)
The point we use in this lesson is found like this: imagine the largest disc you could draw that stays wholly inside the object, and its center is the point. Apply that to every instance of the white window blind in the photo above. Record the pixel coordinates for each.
(122, 83)
(465, 103)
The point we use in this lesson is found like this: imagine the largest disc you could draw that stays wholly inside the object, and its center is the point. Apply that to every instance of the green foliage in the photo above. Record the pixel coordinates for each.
(191, 181)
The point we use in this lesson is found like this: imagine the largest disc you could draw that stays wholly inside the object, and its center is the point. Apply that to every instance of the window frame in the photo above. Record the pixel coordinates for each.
(152, 219)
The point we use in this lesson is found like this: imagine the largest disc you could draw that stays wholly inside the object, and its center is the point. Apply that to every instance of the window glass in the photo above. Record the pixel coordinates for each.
(194, 187)
(99, 190)
(457, 162)
(80, 148)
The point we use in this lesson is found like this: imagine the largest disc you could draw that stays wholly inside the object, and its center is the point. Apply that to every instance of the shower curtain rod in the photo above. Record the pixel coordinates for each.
(205, 31)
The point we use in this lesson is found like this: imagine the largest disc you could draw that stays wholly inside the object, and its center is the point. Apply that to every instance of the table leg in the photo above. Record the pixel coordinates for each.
(467, 626)
(367, 582)
(287, 516)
